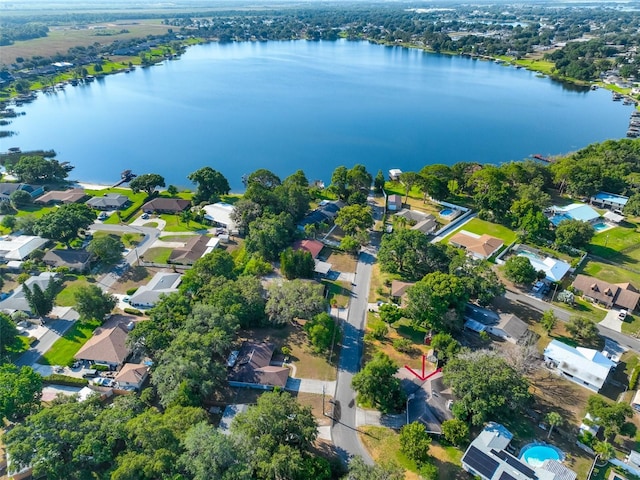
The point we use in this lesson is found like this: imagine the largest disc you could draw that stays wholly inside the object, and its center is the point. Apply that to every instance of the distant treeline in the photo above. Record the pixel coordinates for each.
(25, 31)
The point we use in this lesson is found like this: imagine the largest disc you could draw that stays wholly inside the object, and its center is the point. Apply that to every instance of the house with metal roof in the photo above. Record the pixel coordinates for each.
(18, 301)
(554, 269)
(220, 214)
(587, 367)
(19, 247)
(611, 201)
(575, 211)
(162, 283)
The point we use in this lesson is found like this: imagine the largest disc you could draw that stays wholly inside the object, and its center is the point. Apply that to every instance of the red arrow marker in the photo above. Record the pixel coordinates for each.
(424, 376)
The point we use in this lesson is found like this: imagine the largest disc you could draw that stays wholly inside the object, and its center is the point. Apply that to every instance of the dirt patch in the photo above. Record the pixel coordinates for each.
(342, 262)
(307, 363)
(133, 278)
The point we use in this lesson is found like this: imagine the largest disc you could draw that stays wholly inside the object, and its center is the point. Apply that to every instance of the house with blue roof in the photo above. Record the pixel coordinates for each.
(612, 201)
(575, 211)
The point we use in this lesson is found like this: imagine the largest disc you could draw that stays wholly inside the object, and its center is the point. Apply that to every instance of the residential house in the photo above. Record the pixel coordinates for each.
(132, 375)
(510, 328)
(585, 366)
(73, 195)
(394, 203)
(424, 222)
(194, 249)
(166, 205)
(478, 246)
(76, 260)
(635, 402)
(220, 214)
(314, 247)
(252, 368)
(399, 289)
(108, 345)
(19, 247)
(478, 319)
(394, 174)
(613, 217)
(6, 189)
(489, 458)
(162, 283)
(17, 300)
(575, 211)
(325, 213)
(108, 201)
(622, 295)
(554, 269)
(611, 201)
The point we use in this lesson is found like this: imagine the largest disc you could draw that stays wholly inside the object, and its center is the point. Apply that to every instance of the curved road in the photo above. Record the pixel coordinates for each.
(344, 433)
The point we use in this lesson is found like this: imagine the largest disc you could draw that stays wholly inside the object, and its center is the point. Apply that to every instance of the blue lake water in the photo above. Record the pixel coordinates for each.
(311, 105)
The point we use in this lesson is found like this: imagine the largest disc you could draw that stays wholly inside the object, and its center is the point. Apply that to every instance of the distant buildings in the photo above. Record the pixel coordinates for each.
(62, 196)
(17, 301)
(75, 260)
(611, 201)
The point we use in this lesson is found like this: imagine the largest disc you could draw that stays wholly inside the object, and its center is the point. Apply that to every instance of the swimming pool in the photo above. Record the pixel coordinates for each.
(600, 226)
(447, 212)
(536, 454)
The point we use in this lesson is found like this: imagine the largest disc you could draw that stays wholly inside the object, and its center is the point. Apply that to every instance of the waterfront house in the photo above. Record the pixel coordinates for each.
(73, 195)
(162, 283)
(19, 247)
(611, 201)
(108, 201)
(325, 213)
(194, 249)
(477, 246)
(166, 205)
(394, 174)
(75, 260)
(423, 222)
(252, 367)
(220, 214)
(621, 295)
(587, 367)
(6, 189)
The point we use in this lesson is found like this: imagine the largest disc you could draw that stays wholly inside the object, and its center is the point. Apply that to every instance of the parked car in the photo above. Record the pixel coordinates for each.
(90, 373)
(144, 216)
(622, 314)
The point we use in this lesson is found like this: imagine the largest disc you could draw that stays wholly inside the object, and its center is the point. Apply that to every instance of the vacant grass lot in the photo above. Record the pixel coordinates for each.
(480, 227)
(610, 273)
(175, 224)
(158, 254)
(66, 297)
(62, 352)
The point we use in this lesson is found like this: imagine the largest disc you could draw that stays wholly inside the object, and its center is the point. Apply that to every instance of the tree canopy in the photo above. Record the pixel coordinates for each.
(41, 301)
(574, 233)
(294, 299)
(519, 270)
(106, 248)
(63, 223)
(37, 169)
(377, 386)
(211, 184)
(147, 183)
(410, 254)
(20, 391)
(92, 302)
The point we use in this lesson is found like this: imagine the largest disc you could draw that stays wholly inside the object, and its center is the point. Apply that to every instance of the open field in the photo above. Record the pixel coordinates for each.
(175, 224)
(134, 277)
(610, 273)
(62, 352)
(60, 40)
(158, 254)
(480, 227)
(66, 297)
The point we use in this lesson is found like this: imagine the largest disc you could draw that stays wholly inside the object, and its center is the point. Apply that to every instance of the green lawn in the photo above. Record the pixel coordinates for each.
(610, 273)
(480, 227)
(583, 308)
(62, 352)
(137, 200)
(620, 244)
(176, 238)
(175, 224)
(128, 239)
(158, 254)
(34, 210)
(66, 297)
(339, 292)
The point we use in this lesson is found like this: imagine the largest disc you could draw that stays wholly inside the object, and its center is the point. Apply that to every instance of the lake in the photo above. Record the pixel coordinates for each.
(313, 106)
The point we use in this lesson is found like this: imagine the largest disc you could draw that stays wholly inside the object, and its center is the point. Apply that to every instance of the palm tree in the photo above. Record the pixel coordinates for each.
(408, 179)
(554, 420)
(604, 451)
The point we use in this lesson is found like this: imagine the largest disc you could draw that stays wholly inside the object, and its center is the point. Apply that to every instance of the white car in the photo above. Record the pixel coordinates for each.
(622, 314)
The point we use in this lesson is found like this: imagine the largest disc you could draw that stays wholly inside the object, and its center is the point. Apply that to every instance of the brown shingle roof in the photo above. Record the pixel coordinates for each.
(192, 251)
(398, 288)
(161, 204)
(132, 373)
(107, 345)
(253, 366)
(607, 293)
(62, 196)
(484, 245)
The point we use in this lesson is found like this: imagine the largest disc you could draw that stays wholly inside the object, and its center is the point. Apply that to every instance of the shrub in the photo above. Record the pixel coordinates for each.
(379, 331)
(99, 367)
(133, 311)
(633, 379)
(428, 471)
(131, 291)
(59, 379)
(403, 345)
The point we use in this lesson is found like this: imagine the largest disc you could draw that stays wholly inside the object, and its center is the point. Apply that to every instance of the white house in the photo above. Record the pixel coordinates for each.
(394, 174)
(17, 300)
(161, 283)
(220, 214)
(585, 366)
(19, 247)
(609, 200)
(509, 328)
(554, 269)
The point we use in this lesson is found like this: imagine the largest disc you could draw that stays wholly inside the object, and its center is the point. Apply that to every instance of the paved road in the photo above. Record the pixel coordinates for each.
(565, 315)
(56, 330)
(150, 235)
(344, 433)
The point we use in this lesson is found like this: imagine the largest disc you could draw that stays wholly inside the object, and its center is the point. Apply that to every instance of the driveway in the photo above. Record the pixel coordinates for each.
(611, 321)
(55, 329)
(306, 385)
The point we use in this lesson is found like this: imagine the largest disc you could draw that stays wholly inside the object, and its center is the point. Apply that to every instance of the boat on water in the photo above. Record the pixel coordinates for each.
(616, 96)
(594, 87)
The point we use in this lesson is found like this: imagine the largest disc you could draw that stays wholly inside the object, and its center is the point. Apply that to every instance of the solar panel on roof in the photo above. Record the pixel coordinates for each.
(480, 462)
(521, 467)
(506, 476)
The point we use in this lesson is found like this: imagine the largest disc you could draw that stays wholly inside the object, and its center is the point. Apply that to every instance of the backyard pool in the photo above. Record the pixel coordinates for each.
(446, 212)
(535, 454)
(600, 226)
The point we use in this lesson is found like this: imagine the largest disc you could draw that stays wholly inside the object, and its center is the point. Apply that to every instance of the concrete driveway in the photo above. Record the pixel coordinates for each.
(611, 321)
